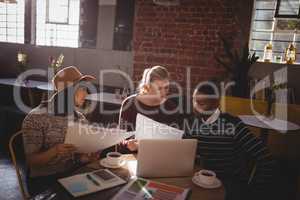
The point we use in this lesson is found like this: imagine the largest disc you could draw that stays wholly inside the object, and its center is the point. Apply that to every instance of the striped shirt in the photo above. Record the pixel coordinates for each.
(226, 146)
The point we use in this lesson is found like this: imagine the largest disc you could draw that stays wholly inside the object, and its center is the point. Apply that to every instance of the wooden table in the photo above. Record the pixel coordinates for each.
(57, 192)
(28, 84)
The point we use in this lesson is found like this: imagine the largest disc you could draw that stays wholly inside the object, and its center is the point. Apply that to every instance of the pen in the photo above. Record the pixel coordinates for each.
(92, 180)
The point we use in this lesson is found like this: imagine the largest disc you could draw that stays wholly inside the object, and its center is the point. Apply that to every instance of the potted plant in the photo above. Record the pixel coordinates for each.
(237, 65)
(56, 64)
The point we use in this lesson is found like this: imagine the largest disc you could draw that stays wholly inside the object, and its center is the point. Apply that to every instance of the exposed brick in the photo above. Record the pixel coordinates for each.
(183, 37)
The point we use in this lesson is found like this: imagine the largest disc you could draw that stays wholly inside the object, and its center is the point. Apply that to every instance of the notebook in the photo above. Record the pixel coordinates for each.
(87, 183)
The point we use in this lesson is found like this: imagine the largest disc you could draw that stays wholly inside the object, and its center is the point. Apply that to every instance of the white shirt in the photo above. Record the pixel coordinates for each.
(214, 117)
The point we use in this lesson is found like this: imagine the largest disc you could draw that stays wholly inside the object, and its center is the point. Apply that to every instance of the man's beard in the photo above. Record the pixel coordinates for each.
(205, 114)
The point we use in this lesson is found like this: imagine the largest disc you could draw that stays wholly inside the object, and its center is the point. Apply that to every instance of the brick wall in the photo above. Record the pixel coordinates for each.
(186, 36)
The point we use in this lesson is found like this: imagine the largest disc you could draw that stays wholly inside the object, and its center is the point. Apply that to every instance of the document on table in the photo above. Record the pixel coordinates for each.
(141, 189)
(86, 183)
(147, 128)
(90, 138)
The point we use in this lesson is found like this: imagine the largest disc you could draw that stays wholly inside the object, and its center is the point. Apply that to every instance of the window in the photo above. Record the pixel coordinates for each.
(63, 23)
(287, 8)
(12, 22)
(88, 23)
(57, 23)
(54, 7)
(123, 31)
(266, 28)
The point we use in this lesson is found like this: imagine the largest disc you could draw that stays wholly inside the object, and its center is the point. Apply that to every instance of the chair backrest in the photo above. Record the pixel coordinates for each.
(16, 148)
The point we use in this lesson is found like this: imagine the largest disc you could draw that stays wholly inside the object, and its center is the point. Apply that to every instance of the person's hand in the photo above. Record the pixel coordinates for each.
(90, 157)
(132, 145)
(64, 149)
(124, 143)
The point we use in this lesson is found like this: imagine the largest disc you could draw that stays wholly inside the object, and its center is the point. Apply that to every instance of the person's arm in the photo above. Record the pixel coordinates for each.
(259, 152)
(125, 116)
(34, 127)
(43, 158)
(126, 122)
(170, 114)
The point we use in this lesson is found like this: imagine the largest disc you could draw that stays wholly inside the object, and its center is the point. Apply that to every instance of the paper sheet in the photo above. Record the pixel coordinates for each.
(90, 138)
(147, 128)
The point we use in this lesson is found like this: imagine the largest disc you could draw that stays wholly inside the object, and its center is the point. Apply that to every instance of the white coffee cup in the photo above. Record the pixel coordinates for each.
(113, 158)
(206, 177)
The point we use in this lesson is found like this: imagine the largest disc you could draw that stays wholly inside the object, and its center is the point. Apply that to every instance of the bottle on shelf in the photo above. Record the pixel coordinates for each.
(290, 54)
(268, 52)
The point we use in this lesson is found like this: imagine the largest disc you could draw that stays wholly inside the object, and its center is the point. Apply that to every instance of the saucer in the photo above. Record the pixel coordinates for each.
(216, 184)
(104, 163)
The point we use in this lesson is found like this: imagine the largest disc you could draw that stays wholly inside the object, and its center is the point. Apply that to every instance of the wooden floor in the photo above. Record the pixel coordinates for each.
(9, 188)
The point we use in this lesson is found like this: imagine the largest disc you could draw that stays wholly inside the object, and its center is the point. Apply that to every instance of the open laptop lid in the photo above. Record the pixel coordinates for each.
(166, 158)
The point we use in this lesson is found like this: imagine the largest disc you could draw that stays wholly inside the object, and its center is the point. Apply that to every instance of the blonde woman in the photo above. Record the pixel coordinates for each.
(151, 101)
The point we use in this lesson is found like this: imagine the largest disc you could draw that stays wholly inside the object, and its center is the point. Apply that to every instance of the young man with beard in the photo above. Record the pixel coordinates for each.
(226, 146)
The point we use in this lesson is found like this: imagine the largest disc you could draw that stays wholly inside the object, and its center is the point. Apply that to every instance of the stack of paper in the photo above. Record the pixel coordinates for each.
(147, 128)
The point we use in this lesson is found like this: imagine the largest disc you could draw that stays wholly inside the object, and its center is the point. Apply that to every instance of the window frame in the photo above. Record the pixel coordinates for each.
(277, 15)
(34, 24)
(16, 27)
(277, 37)
(30, 25)
(47, 14)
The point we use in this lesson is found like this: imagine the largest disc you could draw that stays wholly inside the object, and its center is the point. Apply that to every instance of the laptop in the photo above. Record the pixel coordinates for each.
(166, 158)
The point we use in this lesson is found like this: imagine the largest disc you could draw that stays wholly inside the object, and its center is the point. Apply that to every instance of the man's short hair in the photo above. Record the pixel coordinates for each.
(206, 89)
(211, 88)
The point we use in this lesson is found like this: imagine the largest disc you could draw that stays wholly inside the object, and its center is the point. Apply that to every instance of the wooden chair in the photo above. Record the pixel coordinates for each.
(16, 149)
